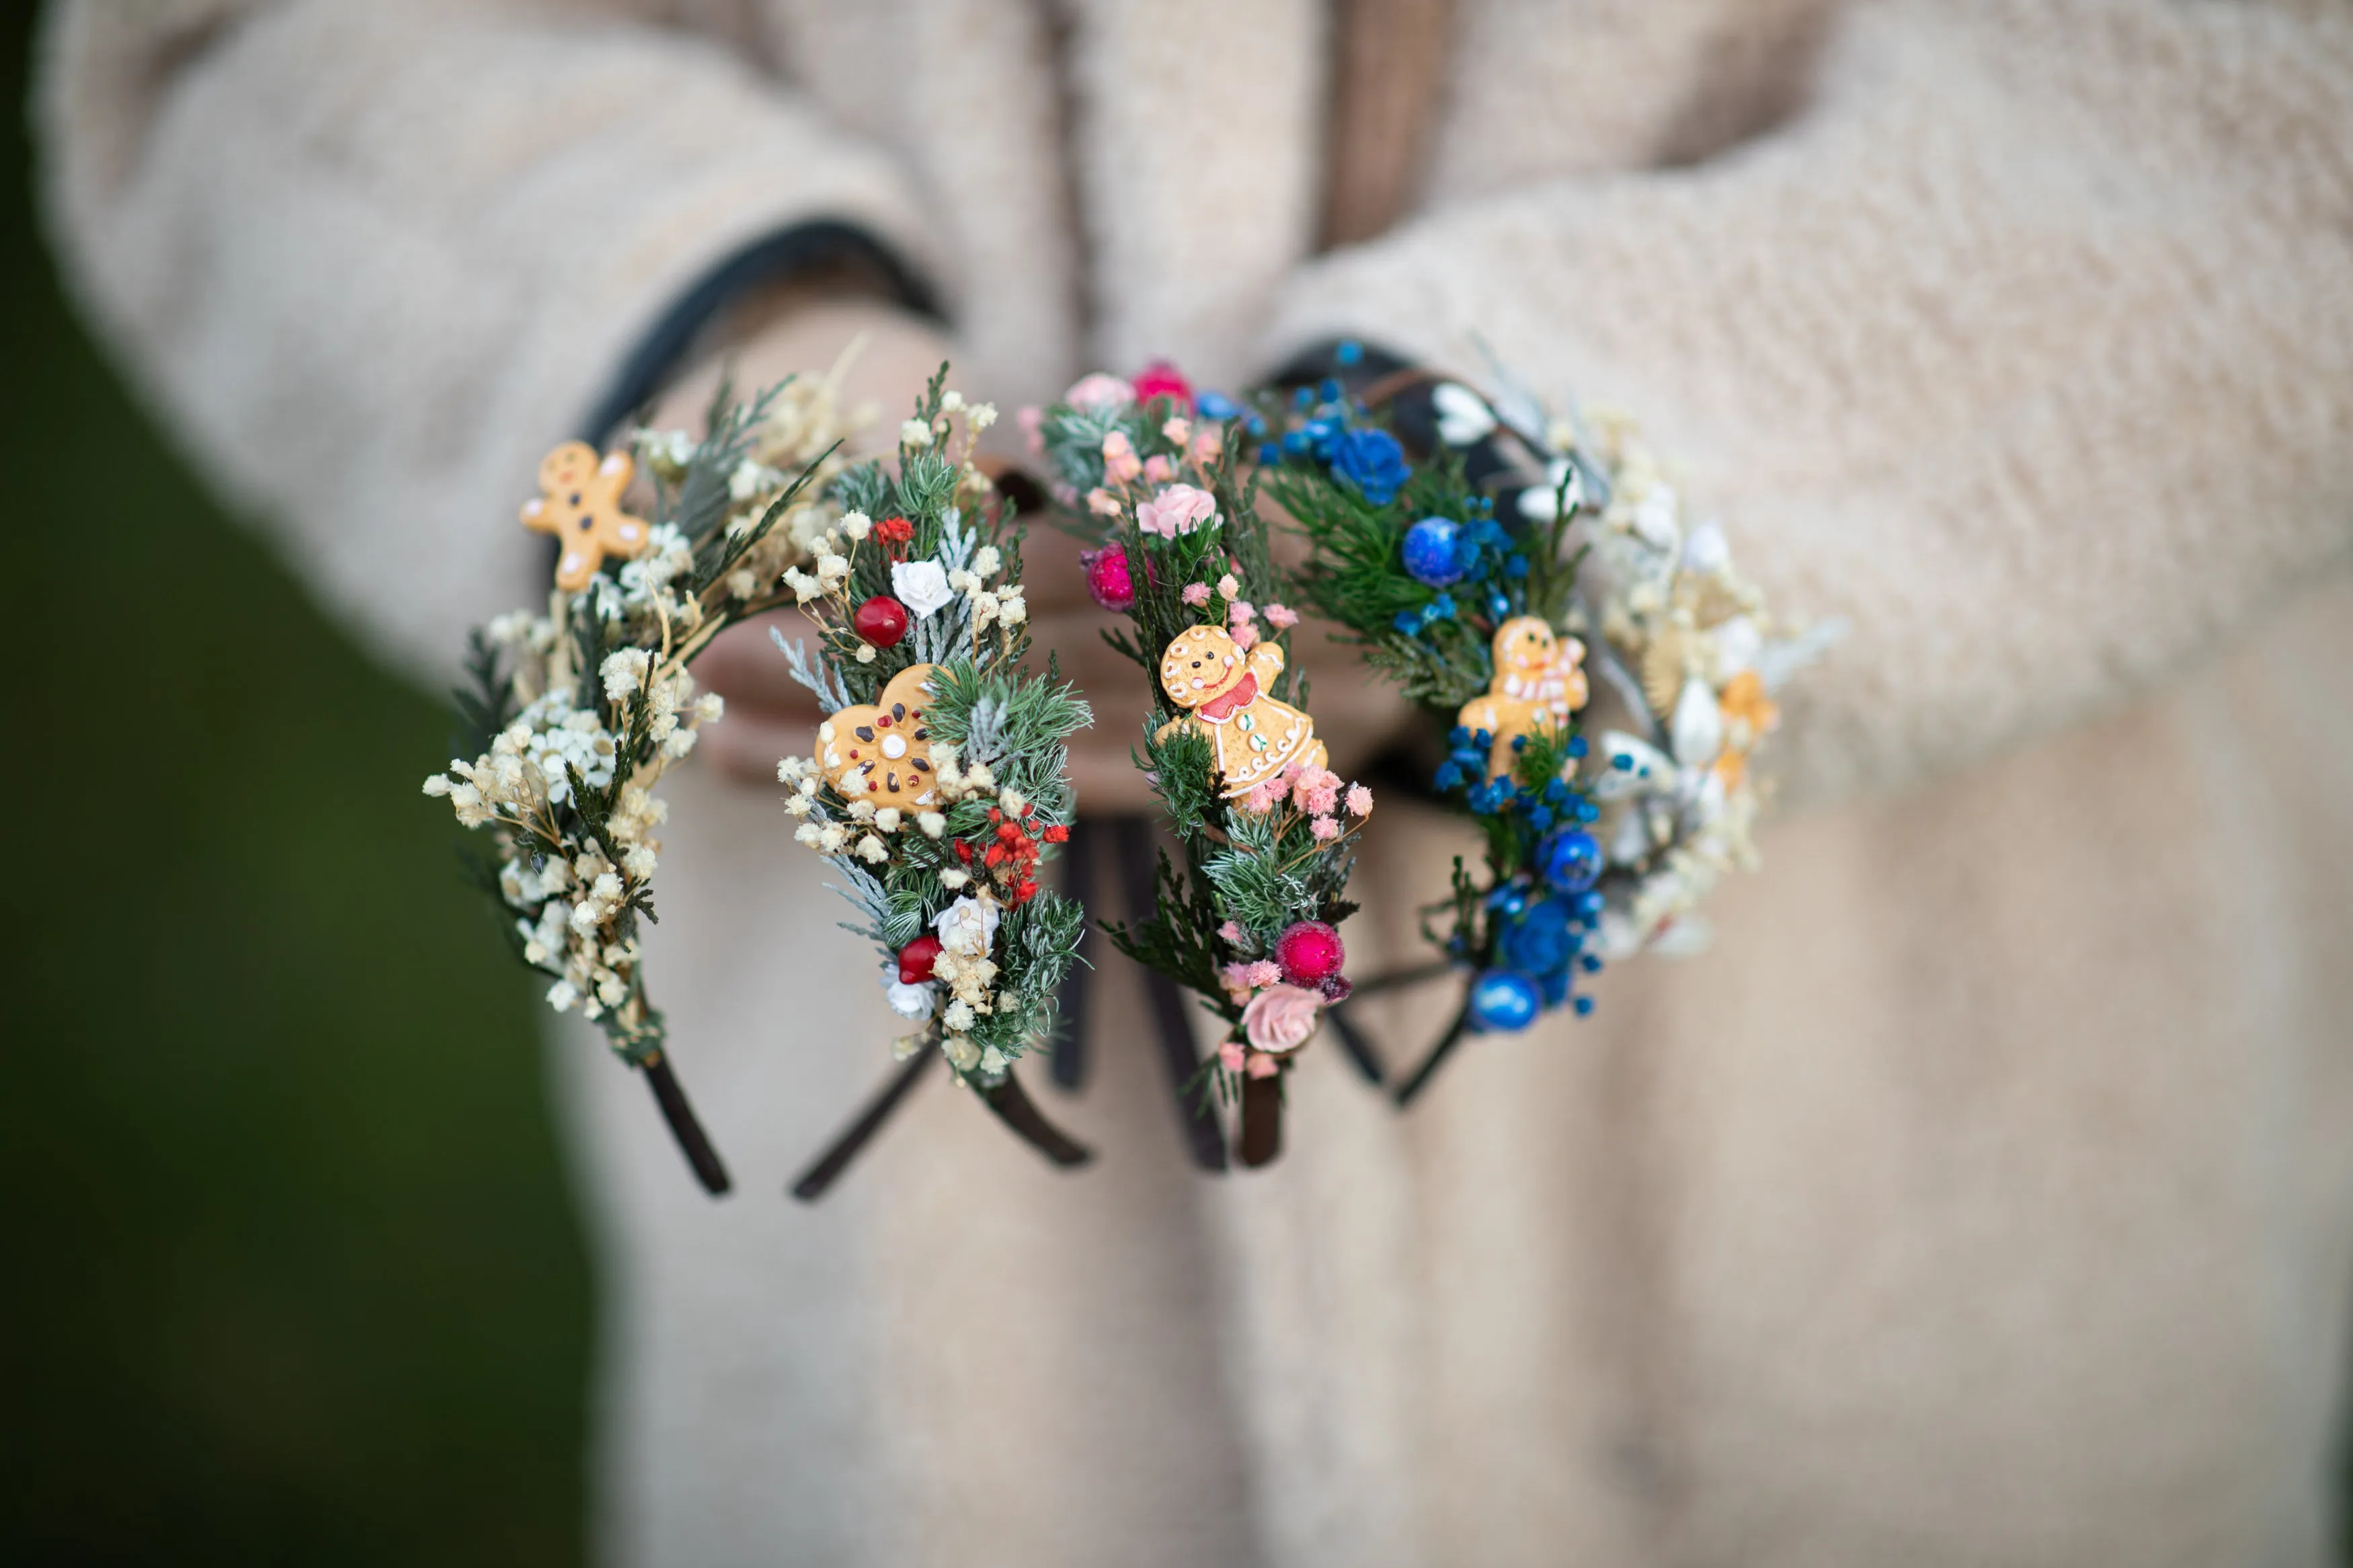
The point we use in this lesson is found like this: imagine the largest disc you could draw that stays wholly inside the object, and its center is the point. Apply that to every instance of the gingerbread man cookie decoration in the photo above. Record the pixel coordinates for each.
(1253, 738)
(580, 503)
(882, 751)
(1539, 682)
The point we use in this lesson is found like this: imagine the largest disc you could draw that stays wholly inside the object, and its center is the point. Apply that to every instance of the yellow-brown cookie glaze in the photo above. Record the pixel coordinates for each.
(882, 751)
(1252, 737)
(580, 503)
(1539, 682)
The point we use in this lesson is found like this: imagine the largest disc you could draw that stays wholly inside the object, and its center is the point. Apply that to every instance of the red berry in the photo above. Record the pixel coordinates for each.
(1309, 953)
(881, 620)
(1161, 379)
(916, 958)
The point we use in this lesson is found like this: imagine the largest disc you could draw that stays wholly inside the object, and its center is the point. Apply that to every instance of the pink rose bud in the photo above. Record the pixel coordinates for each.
(1280, 1017)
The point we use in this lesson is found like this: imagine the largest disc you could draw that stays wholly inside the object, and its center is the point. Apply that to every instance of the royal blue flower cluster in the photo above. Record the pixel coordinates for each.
(1368, 459)
(1542, 916)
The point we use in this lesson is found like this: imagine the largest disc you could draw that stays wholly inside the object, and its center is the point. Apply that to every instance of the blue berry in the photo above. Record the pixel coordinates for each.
(1349, 353)
(1429, 555)
(1501, 1000)
(1584, 1005)
(1215, 406)
(1571, 860)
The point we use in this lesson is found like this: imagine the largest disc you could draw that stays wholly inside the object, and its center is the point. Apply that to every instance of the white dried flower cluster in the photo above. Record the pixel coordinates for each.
(967, 933)
(1694, 656)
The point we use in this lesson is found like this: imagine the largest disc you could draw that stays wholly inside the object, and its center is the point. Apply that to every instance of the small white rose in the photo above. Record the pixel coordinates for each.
(921, 586)
(913, 1002)
(969, 925)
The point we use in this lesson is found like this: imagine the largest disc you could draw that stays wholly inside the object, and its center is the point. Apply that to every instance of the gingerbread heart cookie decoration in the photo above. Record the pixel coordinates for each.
(580, 503)
(882, 750)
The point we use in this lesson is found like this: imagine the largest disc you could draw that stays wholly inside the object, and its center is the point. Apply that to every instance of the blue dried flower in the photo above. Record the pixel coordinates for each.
(1372, 462)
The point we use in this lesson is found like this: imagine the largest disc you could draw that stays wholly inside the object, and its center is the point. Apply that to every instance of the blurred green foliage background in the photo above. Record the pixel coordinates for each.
(293, 1273)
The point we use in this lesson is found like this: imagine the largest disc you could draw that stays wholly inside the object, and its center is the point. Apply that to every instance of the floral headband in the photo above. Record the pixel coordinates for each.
(1246, 917)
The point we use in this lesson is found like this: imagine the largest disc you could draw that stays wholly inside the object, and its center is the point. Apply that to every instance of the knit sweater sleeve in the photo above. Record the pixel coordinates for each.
(371, 260)
(2027, 346)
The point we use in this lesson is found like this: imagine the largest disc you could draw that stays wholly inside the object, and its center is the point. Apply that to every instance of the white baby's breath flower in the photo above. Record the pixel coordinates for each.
(808, 833)
(915, 433)
(438, 786)
(865, 653)
(888, 819)
(804, 586)
(709, 708)
(856, 524)
(932, 823)
(562, 996)
(961, 1052)
(861, 810)
(953, 877)
(993, 1060)
(968, 926)
(982, 416)
(1011, 609)
(873, 848)
(987, 561)
(796, 804)
(951, 401)
(958, 1015)
(1012, 800)
(831, 837)
(742, 583)
(640, 862)
(831, 568)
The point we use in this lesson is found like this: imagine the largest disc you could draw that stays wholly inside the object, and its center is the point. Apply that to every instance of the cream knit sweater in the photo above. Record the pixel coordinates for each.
(1985, 1196)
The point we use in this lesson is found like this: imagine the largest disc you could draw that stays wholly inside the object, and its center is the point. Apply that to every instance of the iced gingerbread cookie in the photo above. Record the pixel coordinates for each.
(1252, 737)
(580, 503)
(885, 745)
(1537, 684)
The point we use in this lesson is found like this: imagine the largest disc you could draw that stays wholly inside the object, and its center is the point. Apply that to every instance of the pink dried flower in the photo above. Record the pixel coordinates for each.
(1262, 1065)
(1100, 500)
(1360, 801)
(1158, 469)
(1178, 509)
(1032, 420)
(1179, 429)
(1280, 1017)
(1231, 933)
(1230, 1055)
(1120, 461)
(1209, 445)
(1281, 616)
(1325, 829)
(1099, 391)
(1241, 612)
(1245, 637)
(1262, 972)
(1196, 595)
(1263, 797)
(1322, 800)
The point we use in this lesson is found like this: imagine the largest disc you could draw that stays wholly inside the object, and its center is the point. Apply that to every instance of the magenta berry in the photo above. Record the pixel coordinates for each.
(1309, 953)
(1107, 578)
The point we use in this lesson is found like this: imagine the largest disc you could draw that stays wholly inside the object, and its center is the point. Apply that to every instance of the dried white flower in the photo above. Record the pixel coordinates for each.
(915, 433)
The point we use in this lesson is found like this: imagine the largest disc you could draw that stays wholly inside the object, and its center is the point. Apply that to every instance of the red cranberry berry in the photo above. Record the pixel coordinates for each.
(916, 958)
(881, 620)
(1309, 953)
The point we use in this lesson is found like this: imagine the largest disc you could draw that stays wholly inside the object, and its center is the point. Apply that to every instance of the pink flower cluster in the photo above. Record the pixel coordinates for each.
(1315, 791)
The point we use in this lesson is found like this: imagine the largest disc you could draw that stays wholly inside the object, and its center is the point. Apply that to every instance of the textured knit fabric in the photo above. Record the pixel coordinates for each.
(1984, 1196)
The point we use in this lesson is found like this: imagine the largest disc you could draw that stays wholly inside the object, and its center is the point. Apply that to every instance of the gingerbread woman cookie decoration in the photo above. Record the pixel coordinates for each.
(1253, 738)
(884, 747)
(580, 503)
(1537, 684)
